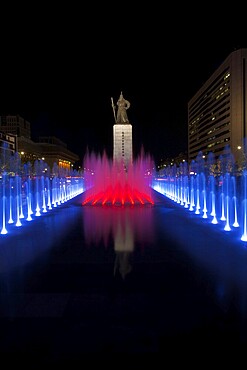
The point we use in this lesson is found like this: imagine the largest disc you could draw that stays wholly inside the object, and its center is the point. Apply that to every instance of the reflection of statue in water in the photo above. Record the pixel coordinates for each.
(122, 263)
(123, 105)
(124, 247)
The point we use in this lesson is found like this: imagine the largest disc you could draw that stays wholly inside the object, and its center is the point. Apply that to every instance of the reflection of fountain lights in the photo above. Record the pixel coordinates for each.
(108, 183)
(122, 227)
(225, 200)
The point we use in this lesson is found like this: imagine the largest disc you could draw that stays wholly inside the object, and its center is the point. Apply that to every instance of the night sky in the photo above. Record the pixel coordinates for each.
(61, 76)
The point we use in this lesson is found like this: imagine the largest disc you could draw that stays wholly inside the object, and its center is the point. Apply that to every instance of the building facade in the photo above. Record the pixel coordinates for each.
(217, 117)
(55, 151)
(16, 125)
(49, 149)
(8, 143)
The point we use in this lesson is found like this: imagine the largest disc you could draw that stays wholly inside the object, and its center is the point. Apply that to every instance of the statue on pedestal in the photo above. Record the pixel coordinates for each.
(123, 105)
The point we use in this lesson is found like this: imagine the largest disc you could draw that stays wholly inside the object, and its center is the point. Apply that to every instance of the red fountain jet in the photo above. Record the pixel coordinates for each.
(109, 183)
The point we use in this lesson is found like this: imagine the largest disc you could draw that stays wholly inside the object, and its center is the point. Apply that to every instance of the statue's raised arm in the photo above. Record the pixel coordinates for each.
(123, 105)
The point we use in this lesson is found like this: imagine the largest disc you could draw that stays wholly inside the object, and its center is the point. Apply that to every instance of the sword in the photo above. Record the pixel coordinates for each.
(113, 107)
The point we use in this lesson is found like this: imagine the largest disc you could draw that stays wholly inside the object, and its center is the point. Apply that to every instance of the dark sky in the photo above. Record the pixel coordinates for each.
(61, 76)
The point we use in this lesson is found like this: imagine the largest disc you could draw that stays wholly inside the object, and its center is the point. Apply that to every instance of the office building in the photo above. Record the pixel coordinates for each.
(217, 119)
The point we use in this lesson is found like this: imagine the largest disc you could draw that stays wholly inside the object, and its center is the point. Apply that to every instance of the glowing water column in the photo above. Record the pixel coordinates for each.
(244, 206)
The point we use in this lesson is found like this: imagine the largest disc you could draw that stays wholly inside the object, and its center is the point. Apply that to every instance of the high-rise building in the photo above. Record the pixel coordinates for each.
(122, 134)
(217, 116)
(16, 125)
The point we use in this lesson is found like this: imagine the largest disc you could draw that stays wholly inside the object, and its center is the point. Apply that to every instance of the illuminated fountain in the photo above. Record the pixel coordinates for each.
(29, 191)
(109, 183)
(121, 180)
(213, 190)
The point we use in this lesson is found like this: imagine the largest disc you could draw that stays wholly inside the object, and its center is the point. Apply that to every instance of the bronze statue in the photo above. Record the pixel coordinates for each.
(123, 105)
